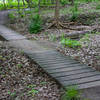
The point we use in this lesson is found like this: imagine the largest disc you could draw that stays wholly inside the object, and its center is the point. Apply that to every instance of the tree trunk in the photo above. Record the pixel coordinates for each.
(57, 11)
(24, 6)
(18, 7)
(39, 7)
(57, 23)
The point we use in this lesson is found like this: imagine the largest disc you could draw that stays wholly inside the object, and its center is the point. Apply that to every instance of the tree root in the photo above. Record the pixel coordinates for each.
(60, 25)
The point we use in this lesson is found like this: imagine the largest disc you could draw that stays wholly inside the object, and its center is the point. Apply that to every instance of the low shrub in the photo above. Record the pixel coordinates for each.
(71, 94)
(12, 17)
(35, 25)
(98, 6)
(70, 43)
(36, 10)
(63, 2)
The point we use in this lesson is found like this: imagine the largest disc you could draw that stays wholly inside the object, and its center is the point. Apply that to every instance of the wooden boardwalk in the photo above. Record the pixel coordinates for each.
(64, 69)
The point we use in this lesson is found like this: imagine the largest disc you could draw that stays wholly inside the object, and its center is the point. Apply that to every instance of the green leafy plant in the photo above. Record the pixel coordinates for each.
(71, 94)
(21, 13)
(12, 93)
(35, 25)
(28, 11)
(64, 2)
(31, 86)
(36, 9)
(98, 6)
(46, 33)
(11, 16)
(32, 92)
(21, 51)
(85, 38)
(70, 43)
(1, 57)
(19, 65)
(43, 83)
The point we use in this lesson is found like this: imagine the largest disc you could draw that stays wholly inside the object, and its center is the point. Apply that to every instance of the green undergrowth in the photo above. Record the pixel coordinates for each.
(72, 93)
(35, 24)
(67, 42)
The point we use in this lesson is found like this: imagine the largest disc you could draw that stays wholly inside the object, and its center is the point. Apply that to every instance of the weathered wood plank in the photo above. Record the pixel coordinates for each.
(60, 66)
(60, 74)
(66, 69)
(46, 62)
(51, 52)
(51, 57)
(53, 60)
(89, 85)
(80, 81)
(78, 76)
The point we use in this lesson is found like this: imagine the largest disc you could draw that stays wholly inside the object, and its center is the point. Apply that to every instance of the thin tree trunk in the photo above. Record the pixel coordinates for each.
(39, 7)
(18, 6)
(24, 6)
(57, 11)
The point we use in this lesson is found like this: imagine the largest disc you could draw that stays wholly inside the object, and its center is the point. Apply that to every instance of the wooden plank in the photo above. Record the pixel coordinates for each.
(60, 74)
(49, 55)
(53, 62)
(51, 52)
(78, 76)
(60, 66)
(80, 81)
(51, 58)
(66, 69)
(56, 62)
(89, 85)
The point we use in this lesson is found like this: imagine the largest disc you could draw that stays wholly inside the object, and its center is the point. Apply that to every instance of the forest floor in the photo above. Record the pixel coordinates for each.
(30, 82)
(88, 20)
(22, 79)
